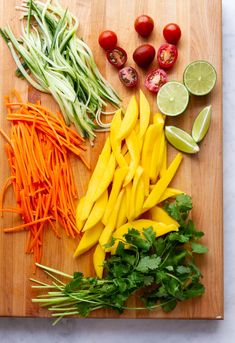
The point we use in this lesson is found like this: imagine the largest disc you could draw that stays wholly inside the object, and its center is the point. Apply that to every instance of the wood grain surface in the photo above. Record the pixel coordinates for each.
(200, 175)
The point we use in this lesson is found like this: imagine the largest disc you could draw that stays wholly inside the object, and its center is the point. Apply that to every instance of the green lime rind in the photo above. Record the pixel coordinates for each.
(201, 124)
(172, 98)
(200, 77)
(181, 140)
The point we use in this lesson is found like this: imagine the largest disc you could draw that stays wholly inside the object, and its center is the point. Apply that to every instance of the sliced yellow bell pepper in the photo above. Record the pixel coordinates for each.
(79, 222)
(97, 211)
(133, 148)
(144, 115)
(115, 142)
(96, 176)
(129, 120)
(159, 118)
(163, 183)
(141, 224)
(106, 178)
(98, 260)
(122, 215)
(118, 179)
(89, 239)
(111, 225)
(159, 215)
(128, 199)
(133, 198)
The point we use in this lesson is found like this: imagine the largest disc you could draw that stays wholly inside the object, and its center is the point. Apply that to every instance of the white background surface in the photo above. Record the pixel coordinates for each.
(97, 330)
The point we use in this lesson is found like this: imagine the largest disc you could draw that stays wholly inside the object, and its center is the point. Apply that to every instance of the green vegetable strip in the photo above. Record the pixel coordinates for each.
(60, 64)
(162, 268)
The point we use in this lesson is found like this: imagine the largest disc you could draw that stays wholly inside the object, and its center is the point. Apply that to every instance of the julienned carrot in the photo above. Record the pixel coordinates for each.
(41, 175)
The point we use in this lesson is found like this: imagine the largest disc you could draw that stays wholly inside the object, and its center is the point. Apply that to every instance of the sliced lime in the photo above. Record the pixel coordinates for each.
(199, 77)
(202, 124)
(172, 98)
(181, 140)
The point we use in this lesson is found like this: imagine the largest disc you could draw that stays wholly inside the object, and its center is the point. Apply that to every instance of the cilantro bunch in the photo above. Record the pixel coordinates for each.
(162, 270)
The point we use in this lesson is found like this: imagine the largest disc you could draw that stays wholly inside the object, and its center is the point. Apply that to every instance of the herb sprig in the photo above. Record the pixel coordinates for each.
(163, 270)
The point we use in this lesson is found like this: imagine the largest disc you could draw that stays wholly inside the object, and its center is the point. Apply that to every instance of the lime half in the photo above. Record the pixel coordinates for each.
(202, 124)
(172, 98)
(181, 140)
(199, 77)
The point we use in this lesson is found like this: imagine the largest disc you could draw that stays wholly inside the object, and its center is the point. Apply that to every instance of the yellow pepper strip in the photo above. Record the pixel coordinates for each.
(79, 222)
(129, 120)
(89, 239)
(97, 175)
(122, 215)
(159, 228)
(97, 211)
(144, 115)
(115, 142)
(163, 183)
(169, 193)
(159, 215)
(106, 178)
(133, 198)
(164, 160)
(133, 148)
(118, 179)
(157, 157)
(146, 157)
(110, 227)
(98, 260)
(159, 118)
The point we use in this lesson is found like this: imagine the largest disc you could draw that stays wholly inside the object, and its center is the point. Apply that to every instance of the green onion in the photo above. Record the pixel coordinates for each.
(54, 60)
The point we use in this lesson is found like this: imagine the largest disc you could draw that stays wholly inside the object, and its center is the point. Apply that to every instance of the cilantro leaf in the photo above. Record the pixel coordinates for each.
(148, 263)
(199, 248)
(150, 235)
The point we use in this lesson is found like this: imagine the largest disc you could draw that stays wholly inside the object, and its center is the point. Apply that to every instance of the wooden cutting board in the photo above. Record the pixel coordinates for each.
(200, 175)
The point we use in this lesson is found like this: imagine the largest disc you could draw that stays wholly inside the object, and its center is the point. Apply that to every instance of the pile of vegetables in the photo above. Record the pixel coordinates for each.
(54, 60)
(38, 149)
(130, 180)
(162, 270)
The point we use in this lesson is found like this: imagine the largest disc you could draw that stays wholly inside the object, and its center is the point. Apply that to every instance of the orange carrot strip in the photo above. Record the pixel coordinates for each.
(26, 225)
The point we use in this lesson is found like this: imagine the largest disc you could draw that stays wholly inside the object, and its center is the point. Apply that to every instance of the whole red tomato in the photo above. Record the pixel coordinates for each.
(144, 55)
(172, 33)
(108, 40)
(144, 25)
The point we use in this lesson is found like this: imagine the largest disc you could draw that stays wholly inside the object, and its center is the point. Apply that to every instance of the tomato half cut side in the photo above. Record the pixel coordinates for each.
(155, 80)
(117, 57)
(128, 76)
(167, 56)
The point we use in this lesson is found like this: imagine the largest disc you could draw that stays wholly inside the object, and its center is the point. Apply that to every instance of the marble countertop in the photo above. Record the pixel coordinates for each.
(14, 330)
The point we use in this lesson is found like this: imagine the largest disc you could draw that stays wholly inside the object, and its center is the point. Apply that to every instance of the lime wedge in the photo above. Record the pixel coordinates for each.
(199, 77)
(202, 124)
(181, 140)
(172, 98)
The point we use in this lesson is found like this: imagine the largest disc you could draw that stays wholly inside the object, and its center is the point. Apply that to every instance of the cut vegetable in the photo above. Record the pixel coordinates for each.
(89, 239)
(129, 120)
(97, 211)
(98, 260)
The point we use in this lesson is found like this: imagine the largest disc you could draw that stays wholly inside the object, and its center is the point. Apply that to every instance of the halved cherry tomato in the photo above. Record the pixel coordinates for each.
(144, 25)
(144, 55)
(172, 33)
(167, 56)
(155, 80)
(108, 40)
(128, 76)
(117, 57)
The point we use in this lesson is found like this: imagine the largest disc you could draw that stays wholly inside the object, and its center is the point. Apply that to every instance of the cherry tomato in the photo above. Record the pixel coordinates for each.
(144, 25)
(117, 57)
(108, 40)
(155, 80)
(172, 33)
(144, 55)
(167, 56)
(128, 76)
